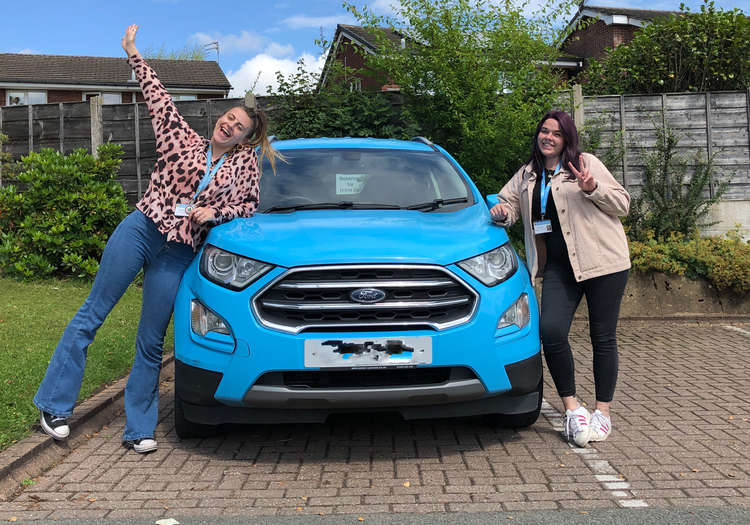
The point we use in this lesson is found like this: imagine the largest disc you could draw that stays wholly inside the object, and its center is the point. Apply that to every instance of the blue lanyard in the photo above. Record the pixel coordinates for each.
(210, 172)
(545, 188)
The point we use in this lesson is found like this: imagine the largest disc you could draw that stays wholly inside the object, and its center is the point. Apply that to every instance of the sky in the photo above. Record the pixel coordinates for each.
(255, 38)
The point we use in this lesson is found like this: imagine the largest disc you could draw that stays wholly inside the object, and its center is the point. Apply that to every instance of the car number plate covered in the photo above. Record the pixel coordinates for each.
(368, 352)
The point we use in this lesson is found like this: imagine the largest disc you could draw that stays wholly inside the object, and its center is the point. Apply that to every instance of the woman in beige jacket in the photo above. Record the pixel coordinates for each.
(570, 205)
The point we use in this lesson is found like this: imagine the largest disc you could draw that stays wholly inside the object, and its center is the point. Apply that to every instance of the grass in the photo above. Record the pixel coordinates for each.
(33, 316)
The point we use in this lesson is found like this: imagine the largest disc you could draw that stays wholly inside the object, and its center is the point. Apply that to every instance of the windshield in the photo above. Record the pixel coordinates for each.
(372, 178)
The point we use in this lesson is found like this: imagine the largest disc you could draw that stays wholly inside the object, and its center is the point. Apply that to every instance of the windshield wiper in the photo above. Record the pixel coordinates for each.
(437, 203)
(332, 205)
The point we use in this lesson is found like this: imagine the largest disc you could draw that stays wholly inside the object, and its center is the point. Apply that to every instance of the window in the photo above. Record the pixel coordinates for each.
(184, 97)
(20, 98)
(355, 84)
(107, 98)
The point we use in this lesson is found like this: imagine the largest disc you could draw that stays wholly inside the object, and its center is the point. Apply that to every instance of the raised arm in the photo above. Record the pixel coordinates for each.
(165, 119)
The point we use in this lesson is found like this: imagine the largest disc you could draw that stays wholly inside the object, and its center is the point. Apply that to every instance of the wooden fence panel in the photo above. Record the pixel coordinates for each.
(716, 124)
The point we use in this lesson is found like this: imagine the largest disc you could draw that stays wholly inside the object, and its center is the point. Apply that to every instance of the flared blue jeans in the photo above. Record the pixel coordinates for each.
(136, 243)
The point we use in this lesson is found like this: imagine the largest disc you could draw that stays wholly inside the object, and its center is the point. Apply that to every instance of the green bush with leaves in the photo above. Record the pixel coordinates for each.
(705, 51)
(475, 75)
(302, 109)
(60, 221)
(722, 261)
(671, 200)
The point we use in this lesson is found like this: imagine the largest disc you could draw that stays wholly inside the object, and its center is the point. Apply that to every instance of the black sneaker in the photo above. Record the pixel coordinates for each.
(55, 426)
(141, 445)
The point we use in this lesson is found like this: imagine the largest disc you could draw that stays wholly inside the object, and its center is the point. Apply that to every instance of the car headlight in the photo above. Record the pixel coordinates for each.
(492, 267)
(203, 320)
(230, 270)
(517, 314)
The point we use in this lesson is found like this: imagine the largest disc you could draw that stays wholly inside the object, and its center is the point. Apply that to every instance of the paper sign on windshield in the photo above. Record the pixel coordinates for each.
(350, 183)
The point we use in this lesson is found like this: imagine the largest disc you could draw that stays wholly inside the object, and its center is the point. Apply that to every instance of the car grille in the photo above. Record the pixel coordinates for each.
(319, 299)
(394, 377)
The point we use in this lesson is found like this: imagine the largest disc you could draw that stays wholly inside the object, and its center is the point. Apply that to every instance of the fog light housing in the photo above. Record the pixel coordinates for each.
(203, 320)
(517, 315)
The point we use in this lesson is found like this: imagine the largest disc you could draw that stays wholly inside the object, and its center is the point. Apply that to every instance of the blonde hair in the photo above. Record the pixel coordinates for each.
(259, 136)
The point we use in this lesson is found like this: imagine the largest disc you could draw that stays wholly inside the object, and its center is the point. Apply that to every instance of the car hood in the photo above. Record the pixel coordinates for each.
(361, 236)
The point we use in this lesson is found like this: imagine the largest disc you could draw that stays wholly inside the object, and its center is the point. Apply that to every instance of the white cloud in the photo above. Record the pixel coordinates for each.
(231, 43)
(28, 51)
(304, 22)
(383, 7)
(260, 71)
(279, 50)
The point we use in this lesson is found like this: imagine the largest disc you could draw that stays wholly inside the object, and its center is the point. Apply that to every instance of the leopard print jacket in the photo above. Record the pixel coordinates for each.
(181, 164)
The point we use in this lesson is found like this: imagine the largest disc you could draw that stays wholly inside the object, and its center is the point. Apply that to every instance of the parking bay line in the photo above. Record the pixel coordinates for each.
(607, 476)
(737, 329)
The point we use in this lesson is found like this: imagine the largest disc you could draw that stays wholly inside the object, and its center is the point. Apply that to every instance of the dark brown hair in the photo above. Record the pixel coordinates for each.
(570, 152)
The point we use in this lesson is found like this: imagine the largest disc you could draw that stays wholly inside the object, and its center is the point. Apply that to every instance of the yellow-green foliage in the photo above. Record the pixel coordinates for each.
(723, 261)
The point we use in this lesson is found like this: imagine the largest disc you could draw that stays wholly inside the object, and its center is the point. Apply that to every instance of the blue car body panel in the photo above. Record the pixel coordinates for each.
(357, 236)
(353, 236)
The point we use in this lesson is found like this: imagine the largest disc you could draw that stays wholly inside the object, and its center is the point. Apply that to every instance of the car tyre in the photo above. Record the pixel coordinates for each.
(518, 420)
(188, 429)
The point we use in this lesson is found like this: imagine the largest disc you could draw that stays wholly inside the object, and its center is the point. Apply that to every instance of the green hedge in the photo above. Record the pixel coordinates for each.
(57, 217)
(722, 261)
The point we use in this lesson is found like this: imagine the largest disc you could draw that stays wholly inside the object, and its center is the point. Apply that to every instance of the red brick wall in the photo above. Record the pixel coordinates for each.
(54, 96)
(594, 39)
(348, 55)
(2, 97)
(591, 41)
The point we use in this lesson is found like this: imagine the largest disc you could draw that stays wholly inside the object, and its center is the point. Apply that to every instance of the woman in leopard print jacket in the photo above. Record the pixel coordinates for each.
(195, 183)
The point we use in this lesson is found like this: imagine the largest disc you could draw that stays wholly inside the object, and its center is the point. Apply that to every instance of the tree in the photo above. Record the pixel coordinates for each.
(706, 51)
(474, 74)
(672, 200)
(302, 109)
(195, 52)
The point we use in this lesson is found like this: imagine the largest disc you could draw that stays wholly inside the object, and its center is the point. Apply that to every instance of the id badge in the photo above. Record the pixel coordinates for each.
(541, 227)
(183, 210)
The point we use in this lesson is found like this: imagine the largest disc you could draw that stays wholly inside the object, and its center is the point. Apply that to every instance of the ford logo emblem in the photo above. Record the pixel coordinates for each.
(367, 295)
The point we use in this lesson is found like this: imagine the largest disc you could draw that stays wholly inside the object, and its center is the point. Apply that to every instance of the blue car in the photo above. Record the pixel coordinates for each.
(371, 279)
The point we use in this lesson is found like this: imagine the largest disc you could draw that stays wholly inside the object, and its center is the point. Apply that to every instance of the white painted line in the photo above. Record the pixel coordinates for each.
(601, 466)
(605, 473)
(633, 503)
(607, 477)
(618, 485)
(737, 329)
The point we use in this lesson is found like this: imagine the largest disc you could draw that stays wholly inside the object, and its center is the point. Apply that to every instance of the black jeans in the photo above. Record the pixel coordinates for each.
(561, 295)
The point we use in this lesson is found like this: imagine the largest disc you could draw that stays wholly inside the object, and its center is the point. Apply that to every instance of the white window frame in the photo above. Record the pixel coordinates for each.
(25, 94)
(184, 96)
(103, 94)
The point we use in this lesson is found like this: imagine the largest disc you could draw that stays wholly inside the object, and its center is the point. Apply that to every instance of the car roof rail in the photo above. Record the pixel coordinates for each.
(427, 141)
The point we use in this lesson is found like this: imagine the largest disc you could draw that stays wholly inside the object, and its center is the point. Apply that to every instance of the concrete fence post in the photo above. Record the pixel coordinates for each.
(97, 128)
(578, 117)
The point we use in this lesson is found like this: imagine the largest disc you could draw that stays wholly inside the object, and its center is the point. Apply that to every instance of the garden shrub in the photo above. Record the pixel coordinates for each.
(722, 261)
(61, 220)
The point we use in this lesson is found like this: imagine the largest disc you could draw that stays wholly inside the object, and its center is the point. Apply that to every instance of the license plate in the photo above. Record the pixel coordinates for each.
(368, 352)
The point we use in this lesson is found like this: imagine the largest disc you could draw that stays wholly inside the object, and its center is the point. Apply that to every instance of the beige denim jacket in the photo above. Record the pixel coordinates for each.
(591, 226)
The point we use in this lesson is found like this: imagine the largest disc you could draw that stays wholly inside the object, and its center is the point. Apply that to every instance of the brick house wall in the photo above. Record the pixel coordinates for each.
(347, 54)
(592, 41)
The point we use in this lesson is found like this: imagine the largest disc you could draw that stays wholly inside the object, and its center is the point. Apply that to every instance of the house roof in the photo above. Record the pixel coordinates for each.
(618, 15)
(107, 71)
(364, 36)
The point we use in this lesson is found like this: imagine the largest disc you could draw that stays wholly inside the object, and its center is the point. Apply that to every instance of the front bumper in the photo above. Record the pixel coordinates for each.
(457, 397)
(241, 378)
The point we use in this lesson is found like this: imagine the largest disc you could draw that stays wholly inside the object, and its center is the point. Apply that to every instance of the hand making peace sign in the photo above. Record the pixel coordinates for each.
(585, 181)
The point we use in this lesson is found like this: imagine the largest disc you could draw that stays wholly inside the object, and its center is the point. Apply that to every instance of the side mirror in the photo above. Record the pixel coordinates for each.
(491, 200)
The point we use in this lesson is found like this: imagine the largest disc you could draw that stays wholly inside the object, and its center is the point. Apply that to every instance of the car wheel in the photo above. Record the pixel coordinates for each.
(518, 420)
(186, 428)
